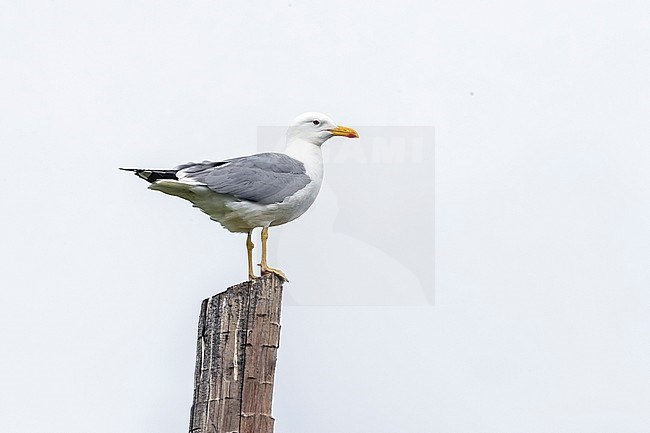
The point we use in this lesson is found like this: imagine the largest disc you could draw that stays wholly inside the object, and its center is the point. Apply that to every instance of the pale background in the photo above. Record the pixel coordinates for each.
(541, 320)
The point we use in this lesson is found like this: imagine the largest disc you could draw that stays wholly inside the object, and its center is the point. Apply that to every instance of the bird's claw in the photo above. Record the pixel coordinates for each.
(267, 270)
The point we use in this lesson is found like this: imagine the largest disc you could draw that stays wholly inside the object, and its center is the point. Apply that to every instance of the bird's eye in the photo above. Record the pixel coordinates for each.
(316, 122)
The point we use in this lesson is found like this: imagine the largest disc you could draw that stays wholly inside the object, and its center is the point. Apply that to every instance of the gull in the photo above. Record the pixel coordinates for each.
(262, 190)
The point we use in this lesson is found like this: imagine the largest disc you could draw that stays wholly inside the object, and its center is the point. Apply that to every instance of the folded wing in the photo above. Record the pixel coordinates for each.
(264, 178)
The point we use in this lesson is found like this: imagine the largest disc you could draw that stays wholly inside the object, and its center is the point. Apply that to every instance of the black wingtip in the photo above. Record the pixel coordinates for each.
(152, 175)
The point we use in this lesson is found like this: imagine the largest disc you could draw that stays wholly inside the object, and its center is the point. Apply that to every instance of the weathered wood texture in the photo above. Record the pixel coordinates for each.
(238, 339)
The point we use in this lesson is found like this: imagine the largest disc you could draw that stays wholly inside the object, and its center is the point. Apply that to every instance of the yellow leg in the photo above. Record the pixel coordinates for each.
(249, 248)
(265, 267)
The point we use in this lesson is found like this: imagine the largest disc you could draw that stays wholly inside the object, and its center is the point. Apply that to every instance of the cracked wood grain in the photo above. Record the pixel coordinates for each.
(236, 353)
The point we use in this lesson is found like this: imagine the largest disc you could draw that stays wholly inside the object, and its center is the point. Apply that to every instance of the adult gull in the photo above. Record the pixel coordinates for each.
(261, 190)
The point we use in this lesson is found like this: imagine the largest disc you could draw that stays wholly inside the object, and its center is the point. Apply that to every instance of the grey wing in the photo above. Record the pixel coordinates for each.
(264, 178)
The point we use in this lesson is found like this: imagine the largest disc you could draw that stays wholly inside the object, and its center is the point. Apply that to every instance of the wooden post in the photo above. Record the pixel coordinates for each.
(236, 352)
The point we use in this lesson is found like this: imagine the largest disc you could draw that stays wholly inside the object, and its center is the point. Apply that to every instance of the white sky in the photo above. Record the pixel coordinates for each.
(541, 319)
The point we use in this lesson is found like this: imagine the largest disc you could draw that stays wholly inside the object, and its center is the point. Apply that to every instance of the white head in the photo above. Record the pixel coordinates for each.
(317, 128)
